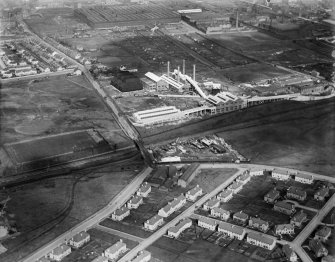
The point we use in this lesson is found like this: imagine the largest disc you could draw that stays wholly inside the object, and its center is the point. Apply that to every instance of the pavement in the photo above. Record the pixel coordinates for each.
(97, 217)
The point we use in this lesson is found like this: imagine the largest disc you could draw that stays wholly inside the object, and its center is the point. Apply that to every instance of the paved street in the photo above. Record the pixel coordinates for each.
(188, 212)
(117, 201)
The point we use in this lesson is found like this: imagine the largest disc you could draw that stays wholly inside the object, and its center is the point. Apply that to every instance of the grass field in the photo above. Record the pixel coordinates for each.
(34, 150)
(43, 210)
(51, 106)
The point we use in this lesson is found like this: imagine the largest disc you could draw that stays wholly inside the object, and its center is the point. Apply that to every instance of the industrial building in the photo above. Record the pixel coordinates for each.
(126, 82)
(125, 15)
(158, 115)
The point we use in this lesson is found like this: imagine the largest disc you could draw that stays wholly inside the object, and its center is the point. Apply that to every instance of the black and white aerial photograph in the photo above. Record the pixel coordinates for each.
(167, 130)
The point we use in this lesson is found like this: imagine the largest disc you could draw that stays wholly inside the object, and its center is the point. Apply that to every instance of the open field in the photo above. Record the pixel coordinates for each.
(270, 49)
(51, 106)
(45, 209)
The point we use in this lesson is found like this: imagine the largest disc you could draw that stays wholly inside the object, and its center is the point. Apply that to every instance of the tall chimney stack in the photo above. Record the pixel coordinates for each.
(178, 74)
(183, 66)
(193, 72)
(168, 69)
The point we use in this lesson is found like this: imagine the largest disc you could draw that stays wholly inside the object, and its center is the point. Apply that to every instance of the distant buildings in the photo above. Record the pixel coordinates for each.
(180, 227)
(115, 250)
(153, 223)
(261, 240)
(60, 252)
(79, 239)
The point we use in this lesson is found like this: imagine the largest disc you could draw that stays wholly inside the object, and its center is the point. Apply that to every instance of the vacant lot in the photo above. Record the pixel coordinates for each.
(45, 209)
(51, 106)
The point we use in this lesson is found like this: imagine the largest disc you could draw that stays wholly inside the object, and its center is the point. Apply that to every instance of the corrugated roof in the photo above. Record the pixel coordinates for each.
(153, 77)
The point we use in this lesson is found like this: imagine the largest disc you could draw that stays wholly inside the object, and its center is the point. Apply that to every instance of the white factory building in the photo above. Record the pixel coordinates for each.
(158, 115)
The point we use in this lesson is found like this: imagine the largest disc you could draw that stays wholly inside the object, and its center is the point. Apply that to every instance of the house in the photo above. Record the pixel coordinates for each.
(180, 227)
(100, 259)
(284, 229)
(318, 248)
(258, 223)
(244, 178)
(211, 204)
(208, 223)
(289, 253)
(284, 207)
(135, 202)
(220, 213)
(261, 240)
(231, 230)
(79, 239)
(172, 206)
(321, 194)
(194, 193)
(296, 193)
(304, 178)
(272, 196)
(143, 256)
(114, 251)
(298, 219)
(236, 187)
(154, 222)
(60, 252)
(144, 190)
(225, 196)
(240, 217)
(280, 174)
(120, 213)
(323, 234)
(256, 172)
